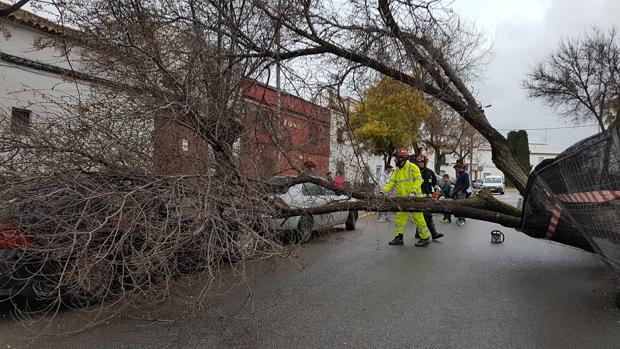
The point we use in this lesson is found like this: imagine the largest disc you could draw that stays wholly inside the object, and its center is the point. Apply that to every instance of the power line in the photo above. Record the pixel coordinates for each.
(545, 128)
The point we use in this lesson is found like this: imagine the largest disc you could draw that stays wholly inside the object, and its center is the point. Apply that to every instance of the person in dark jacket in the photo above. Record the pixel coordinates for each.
(428, 186)
(446, 191)
(460, 188)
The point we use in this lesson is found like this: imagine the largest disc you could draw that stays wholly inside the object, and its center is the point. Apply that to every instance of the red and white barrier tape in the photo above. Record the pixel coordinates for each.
(555, 219)
(586, 197)
(591, 196)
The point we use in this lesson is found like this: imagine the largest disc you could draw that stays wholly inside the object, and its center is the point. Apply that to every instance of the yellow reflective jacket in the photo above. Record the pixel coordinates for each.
(405, 180)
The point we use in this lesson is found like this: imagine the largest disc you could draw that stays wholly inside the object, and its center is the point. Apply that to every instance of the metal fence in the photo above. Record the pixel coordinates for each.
(575, 198)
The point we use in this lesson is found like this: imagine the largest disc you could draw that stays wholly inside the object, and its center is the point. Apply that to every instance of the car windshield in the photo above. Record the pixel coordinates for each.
(278, 184)
(311, 189)
(493, 180)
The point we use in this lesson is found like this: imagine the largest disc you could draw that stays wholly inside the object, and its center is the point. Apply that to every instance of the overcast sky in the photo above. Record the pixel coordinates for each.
(523, 32)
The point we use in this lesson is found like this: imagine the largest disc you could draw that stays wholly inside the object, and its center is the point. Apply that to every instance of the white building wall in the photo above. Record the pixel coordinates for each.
(51, 98)
(353, 159)
(483, 163)
(29, 43)
(540, 152)
(30, 88)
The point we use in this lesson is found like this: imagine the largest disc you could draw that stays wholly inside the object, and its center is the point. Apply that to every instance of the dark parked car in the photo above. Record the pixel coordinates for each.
(12, 267)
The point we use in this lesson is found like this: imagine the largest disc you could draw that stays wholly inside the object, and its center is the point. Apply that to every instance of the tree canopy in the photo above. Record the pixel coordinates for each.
(421, 43)
(390, 117)
(581, 78)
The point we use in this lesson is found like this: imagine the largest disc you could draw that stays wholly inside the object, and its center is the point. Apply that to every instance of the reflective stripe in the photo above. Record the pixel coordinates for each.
(406, 180)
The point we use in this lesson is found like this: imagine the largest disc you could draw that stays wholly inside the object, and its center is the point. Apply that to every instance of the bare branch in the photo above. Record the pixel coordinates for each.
(5, 11)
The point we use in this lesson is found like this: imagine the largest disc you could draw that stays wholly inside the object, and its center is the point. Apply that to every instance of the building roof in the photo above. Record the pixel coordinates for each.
(33, 21)
(543, 149)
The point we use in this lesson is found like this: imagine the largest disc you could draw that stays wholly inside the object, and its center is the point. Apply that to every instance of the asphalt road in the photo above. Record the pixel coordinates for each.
(350, 289)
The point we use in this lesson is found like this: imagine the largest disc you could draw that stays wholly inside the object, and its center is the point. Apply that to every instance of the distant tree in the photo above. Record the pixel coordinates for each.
(468, 140)
(582, 78)
(389, 118)
(442, 132)
(519, 145)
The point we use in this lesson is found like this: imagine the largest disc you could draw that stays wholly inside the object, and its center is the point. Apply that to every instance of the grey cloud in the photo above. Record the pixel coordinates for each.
(521, 43)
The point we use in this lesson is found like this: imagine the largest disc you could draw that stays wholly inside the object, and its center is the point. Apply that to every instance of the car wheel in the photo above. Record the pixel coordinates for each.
(98, 285)
(351, 220)
(501, 192)
(303, 233)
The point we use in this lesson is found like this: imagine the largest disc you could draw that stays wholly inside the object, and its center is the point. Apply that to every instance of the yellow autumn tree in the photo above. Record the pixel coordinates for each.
(389, 118)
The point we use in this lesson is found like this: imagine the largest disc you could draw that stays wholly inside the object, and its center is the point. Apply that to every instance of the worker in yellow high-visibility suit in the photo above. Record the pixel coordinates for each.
(406, 181)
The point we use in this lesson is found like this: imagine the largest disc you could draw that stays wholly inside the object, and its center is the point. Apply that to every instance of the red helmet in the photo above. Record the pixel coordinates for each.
(423, 159)
(402, 154)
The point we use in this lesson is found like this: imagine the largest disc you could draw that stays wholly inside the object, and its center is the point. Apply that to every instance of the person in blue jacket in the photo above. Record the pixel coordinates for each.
(460, 188)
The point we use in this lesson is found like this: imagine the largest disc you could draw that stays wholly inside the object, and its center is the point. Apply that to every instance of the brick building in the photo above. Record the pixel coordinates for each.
(303, 128)
(178, 150)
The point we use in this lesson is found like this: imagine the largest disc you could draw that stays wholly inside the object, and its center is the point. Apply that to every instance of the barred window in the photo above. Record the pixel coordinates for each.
(20, 120)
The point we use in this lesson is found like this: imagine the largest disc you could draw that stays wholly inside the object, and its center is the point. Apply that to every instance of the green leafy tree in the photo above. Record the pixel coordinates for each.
(389, 118)
(519, 146)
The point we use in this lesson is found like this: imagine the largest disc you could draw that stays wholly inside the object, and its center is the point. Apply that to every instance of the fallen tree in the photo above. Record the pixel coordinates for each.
(466, 208)
(422, 43)
(482, 207)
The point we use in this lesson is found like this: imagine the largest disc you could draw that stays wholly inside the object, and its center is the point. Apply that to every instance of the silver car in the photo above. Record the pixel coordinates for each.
(310, 195)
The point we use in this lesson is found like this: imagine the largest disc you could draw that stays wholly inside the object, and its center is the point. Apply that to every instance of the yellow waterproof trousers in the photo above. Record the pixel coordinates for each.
(401, 219)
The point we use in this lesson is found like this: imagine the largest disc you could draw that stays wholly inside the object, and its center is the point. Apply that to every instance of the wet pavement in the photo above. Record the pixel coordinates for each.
(350, 289)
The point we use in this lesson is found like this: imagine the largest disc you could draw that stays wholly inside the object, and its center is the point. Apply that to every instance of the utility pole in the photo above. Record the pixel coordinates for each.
(278, 96)
(471, 154)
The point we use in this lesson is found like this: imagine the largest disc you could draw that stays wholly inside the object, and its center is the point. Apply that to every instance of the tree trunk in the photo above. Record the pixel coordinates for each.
(473, 208)
(500, 152)
(437, 156)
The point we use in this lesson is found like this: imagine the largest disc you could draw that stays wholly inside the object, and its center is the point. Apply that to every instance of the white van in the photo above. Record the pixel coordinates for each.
(494, 183)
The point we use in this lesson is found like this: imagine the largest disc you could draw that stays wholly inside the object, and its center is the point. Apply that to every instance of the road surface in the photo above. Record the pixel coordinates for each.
(350, 289)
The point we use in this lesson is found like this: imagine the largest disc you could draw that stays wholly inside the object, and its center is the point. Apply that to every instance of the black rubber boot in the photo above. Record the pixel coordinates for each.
(398, 240)
(436, 235)
(422, 242)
